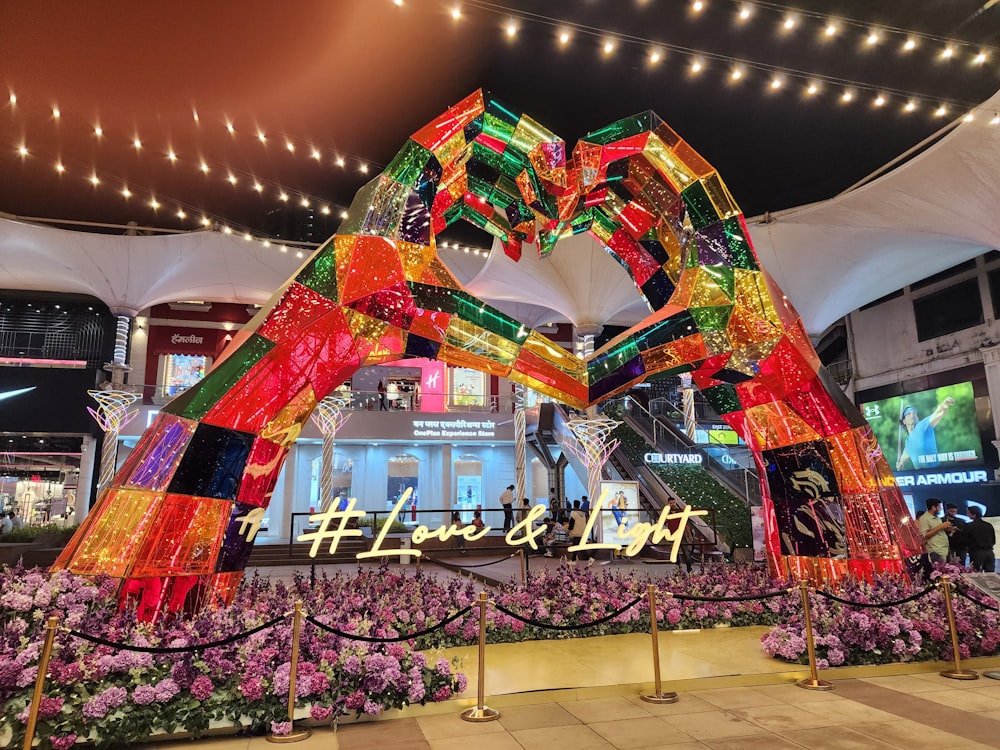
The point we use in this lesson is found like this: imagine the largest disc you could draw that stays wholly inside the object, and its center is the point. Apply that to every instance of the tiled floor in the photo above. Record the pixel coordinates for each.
(897, 712)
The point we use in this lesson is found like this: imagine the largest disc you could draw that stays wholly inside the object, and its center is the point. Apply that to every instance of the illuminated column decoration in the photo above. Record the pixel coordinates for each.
(520, 444)
(329, 417)
(593, 448)
(111, 415)
(687, 400)
(117, 366)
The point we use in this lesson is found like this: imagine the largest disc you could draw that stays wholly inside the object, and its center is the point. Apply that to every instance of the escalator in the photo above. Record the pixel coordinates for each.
(547, 433)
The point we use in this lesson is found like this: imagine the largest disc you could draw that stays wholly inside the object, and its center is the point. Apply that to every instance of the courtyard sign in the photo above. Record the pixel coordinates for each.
(333, 527)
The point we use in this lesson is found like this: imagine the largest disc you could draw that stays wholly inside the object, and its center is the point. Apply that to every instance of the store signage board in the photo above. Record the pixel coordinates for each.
(333, 528)
(673, 458)
(454, 428)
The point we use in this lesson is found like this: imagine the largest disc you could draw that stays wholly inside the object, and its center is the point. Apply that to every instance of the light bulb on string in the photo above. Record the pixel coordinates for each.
(126, 192)
(456, 13)
(746, 10)
(879, 100)
(941, 111)
(790, 22)
(947, 53)
(136, 143)
(316, 155)
(98, 131)
(609, 46)
(910, 106)
(22, 151)
(56, 114)
(511, 29)
(696, 65)
(873, 39)
(181, 213)
(94, 179)
(847, 96)
(979, 59)
(995, 120)
(564, 37)
(340, 161)
(812, 89)
(655, 55)
(12, 99)
(171, 156)
(59, 167)
(910, 45)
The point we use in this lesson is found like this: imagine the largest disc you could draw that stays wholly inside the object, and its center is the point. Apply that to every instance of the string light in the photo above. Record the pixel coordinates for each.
(979, 59)
(697, 6)
(609, 46)
(126, 192)
(230, 128)
(456, 13)
(98, 131)
(316, 155)
(154, 204)
(137, 143)
(13, 99)
(22, 150)
(847, 96)
(910, 106)
(941, 111)
(564, 37)
(696, 65)
(873, 39)
(94, 179)
(745, 11)
(995, 120)
(830, 30)
(655, 55)
(204, 167)
(59, 167)
(737, 73)
(181, 213)
(56, 114)
(511, 29)
(879, 100)
(789, 23)
(947, 53)
(171, 155)
(261, 137)
(910, 45)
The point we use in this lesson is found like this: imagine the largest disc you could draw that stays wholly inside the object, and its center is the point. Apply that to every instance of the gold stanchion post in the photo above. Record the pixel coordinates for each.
(295, 735)
(481, 712)
(957, 673)
(813, 682)
(658, 696)
(43, 668)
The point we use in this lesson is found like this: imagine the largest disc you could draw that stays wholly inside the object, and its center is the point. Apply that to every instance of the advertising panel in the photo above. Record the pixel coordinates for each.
(927, 429)
(621, 511)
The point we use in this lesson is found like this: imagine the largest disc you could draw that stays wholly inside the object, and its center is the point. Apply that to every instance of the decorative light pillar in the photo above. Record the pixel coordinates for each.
(687, 400)
(112, 411)
(329, 416)
(111, 415)
(520, 444)
(592, 447)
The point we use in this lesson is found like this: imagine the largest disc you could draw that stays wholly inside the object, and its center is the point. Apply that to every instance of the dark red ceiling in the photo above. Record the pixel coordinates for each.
(353, 78)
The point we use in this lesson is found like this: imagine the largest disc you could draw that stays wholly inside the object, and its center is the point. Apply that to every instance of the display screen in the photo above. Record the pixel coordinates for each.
(927, 429)
(183, 371)
(468, 387)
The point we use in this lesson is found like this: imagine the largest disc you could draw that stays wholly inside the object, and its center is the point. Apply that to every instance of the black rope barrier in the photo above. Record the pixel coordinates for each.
(176, 649)
(373, 639)
(746, 598)
(982, 604)
(877, 605)
(581, 626)
(480, 565)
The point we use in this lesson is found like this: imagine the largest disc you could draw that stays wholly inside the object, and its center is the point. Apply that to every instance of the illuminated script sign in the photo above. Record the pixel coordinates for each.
(333, 526)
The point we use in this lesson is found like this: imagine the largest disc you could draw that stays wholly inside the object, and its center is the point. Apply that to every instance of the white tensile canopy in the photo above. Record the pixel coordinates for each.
(936, 210)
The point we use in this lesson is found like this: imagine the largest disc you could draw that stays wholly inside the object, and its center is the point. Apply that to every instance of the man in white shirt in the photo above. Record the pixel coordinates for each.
(507, 501)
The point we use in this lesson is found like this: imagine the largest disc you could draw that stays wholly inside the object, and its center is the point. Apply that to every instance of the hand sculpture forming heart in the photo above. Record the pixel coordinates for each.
(378, 292)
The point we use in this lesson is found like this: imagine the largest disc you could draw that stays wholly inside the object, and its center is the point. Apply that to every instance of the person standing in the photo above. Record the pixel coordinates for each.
(957, 546)
(382, 405)
(524, 510)
(577, 525)
(6, 525)
(507, 501)
(934, 531)
(981, 538)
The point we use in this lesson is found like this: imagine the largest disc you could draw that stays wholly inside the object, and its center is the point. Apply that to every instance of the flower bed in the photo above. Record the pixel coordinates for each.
(915, 631)
(112, 696)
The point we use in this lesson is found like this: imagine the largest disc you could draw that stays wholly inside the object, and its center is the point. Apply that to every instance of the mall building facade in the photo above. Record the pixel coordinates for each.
(449, 431)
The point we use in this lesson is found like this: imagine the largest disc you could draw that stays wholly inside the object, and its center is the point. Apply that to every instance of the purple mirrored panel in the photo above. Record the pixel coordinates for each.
(157, 454)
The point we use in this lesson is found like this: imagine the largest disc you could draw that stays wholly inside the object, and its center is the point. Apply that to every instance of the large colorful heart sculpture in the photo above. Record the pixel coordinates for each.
(172, 525)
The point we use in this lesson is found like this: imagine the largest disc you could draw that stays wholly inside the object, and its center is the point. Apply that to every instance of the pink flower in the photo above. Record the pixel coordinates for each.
(320, 713)
(63, 742)
(202, 687)
(281, 728)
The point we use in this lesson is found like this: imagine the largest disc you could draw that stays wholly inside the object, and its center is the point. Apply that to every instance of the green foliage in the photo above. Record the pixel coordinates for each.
(696, 487)
(30, 533)
(398, 527)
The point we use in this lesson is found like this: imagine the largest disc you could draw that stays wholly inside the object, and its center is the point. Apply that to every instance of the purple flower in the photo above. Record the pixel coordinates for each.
(373, 708)
(63, 742)
(166, 690)
(281, 728)
(49, 707)
(144, 695)
(320, 713)
(202, 687)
